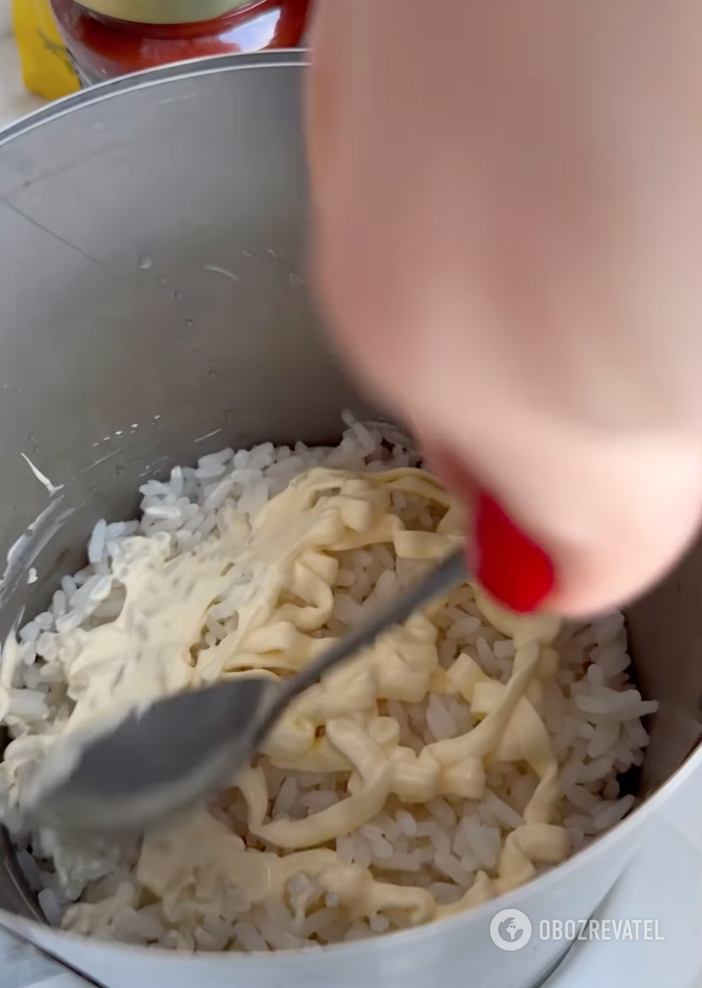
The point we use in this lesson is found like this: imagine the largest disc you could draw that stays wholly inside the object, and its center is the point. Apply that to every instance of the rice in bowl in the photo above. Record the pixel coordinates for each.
(378, 804)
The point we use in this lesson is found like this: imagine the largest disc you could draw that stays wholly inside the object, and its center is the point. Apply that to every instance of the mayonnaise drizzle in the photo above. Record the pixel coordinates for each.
(274, 580)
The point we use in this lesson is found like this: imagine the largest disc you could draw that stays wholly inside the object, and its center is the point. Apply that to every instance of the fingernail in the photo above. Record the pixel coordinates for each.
(510, 565)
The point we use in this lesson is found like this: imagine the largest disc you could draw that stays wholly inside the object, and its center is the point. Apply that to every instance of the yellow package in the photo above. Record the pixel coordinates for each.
(46, 66)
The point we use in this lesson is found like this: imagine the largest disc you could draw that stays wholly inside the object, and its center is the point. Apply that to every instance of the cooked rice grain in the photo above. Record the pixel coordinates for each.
(591, 709)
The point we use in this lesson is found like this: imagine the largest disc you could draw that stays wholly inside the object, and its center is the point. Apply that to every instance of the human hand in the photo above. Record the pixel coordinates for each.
(508, 220)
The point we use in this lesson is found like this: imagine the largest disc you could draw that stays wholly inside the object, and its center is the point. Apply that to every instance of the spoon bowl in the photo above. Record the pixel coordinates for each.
(134, 772)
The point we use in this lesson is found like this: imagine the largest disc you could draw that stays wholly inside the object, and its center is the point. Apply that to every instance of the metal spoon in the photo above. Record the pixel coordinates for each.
(134, 773)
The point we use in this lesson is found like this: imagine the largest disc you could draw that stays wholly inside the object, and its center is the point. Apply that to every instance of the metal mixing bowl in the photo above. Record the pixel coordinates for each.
(154, 308)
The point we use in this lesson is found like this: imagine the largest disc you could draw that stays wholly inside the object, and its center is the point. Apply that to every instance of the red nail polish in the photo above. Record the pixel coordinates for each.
(510, 566)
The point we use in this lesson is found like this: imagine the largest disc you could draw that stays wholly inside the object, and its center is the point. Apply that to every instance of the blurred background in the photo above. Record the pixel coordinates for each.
(15, 100)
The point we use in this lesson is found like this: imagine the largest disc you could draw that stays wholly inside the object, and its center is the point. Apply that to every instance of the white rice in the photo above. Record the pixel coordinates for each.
(591, 710)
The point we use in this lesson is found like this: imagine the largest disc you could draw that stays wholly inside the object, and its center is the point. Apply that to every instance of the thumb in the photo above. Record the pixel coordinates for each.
(579, 529)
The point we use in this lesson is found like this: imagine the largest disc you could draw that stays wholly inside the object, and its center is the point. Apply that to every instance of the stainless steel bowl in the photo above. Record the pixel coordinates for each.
(153, 305)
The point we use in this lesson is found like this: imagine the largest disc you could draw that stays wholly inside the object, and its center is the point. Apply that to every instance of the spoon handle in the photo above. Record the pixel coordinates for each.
(448, 574)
